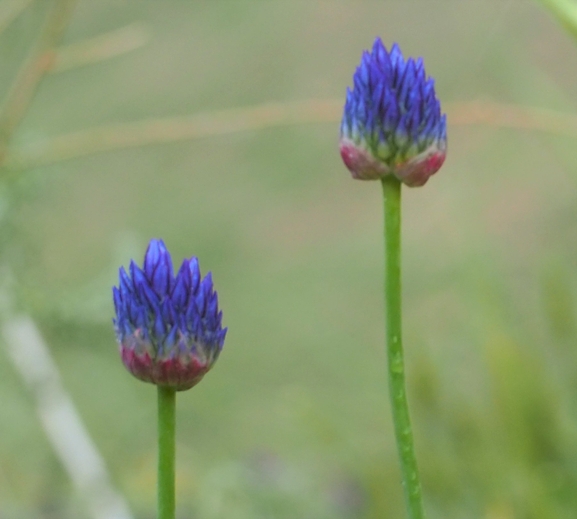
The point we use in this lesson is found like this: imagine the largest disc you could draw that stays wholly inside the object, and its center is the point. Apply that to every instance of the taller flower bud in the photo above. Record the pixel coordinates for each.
(169, 328)
(392, 122)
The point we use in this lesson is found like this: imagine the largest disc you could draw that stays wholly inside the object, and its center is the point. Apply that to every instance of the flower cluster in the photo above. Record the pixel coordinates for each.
(169, 328)
(392, 121)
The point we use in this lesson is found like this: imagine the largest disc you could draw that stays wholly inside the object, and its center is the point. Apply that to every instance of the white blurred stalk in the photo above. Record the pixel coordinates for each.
(60, 420)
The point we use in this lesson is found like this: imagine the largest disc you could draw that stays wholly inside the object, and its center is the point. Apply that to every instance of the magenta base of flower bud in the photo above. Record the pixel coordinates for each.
(170, 372)
(414, 172)
(361, 162)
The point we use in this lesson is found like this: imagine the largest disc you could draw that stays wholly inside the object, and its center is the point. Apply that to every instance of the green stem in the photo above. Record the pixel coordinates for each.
(166, 451)
(398, 394)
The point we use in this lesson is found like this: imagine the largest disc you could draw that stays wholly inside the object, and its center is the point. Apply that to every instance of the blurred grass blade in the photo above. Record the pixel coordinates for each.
(9, 11)
(38, 62)
(118, 136)
(60, 420)
(172, 129)
(565, 11)
(101, 48)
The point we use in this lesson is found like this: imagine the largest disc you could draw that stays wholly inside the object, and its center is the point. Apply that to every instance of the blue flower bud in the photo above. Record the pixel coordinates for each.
(392, 122)
(169, 329)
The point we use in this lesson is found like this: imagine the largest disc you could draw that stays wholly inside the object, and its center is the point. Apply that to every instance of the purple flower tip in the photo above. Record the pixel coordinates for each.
(169, 328)
(392, 121)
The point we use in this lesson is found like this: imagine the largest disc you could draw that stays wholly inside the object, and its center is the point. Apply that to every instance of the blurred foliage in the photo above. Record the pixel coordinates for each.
(294, 420)
(565, 11)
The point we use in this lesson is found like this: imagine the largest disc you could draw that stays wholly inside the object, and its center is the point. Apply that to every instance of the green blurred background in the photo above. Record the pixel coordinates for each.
(293, 422)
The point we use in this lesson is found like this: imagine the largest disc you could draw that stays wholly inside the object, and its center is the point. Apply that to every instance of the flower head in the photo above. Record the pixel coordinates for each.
(169, 328)
(392, 121)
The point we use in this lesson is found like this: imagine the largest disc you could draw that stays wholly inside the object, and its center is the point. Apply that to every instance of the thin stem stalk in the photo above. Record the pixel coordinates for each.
(166, 452)
(396, 367)
(40, 59)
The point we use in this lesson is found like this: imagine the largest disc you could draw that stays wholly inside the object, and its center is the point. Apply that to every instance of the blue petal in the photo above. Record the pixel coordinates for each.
(125, 284)
(207, 284)
(413, 120)
(171, 339)
(378, 98)
(406, 83)
(364, 69)
(402, 133)
(212, 307)
(349, 101)
(381, 55)
(118, 307)
(162, 277)
(375, 76)
(397, 63)
(420, 70)
(361, 111)
(159, 326)
(414, 100)
(181, 323)
(392, 114)
(141, 318)
(222, 335)
(168, 313)
(138, 278)
(358, 84)
(387, 68)
(152, 257)
(192, 315)
(200, 302)
(429, 91)
(148, 296)
(127, 329)
(370, 121)
(132, 311)
(194, 275)
(181, 286)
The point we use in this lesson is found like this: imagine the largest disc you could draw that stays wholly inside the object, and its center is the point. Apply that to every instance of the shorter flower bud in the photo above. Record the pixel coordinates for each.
(392, 122)
(169, 328)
